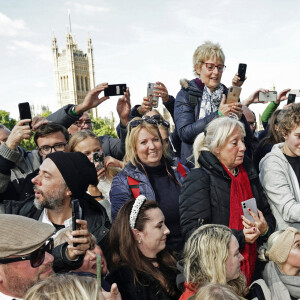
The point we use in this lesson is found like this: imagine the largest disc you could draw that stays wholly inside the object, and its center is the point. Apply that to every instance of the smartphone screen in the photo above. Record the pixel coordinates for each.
(242, 71)
(115, 90)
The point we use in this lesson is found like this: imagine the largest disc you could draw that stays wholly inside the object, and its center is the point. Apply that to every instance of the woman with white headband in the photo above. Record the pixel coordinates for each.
(142, 268)
(281, 274)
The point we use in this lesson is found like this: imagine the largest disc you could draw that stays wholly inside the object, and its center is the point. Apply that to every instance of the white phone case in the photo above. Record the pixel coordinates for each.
(250, 203)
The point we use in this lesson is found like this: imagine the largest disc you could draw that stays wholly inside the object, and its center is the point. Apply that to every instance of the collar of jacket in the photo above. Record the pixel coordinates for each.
(211, 163)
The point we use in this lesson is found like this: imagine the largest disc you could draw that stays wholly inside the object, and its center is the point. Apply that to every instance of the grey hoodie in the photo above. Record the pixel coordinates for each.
(281, 186)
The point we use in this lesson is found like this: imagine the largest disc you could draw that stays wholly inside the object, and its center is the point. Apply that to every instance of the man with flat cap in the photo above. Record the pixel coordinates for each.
(62, 178)
(24, 254)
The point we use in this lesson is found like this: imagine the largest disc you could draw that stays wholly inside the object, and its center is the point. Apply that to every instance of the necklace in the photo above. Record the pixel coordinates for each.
(235, 171)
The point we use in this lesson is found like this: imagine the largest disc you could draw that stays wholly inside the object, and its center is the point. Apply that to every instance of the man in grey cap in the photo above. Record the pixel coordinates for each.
(24, 254)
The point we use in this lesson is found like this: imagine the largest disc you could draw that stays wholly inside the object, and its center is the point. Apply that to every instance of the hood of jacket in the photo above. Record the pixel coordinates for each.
(276, 151)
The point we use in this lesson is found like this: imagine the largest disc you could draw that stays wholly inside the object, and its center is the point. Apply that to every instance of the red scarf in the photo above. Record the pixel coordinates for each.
(241, 191)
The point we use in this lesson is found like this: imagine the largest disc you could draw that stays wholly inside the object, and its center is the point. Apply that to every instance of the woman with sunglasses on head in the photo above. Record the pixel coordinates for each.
(202, 99)
(149, 172)
(142, 267)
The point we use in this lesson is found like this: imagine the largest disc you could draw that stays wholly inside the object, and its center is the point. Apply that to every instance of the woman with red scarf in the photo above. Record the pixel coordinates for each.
(213, 192)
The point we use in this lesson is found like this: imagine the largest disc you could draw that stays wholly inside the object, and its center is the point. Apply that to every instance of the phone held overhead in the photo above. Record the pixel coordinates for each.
(269, 96)
(115, 90)
(25, 112)
(242, 71)
(150, 94)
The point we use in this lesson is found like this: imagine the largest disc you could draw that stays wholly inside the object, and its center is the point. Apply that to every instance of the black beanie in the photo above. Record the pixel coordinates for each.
(76, 169)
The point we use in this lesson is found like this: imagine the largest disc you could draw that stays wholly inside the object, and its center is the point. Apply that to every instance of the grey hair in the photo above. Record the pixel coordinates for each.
(215, 135)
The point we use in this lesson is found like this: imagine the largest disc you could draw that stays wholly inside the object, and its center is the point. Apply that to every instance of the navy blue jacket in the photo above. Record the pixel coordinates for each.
(187, 118)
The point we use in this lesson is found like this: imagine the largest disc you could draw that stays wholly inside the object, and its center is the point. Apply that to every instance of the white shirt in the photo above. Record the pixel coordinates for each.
(44, 219)
(5, 297)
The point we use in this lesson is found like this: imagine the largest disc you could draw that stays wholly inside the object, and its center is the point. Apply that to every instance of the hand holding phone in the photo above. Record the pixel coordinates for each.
(249, 204)
(233, 95)
(269, 96)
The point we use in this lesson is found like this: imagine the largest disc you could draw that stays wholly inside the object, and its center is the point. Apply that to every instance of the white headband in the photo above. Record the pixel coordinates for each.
(135, 210)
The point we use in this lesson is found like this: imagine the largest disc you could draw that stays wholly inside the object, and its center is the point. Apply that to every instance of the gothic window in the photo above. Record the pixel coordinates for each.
(82, 87)
(86, 84)
(67, 83)
(61, 83)
(77, 83)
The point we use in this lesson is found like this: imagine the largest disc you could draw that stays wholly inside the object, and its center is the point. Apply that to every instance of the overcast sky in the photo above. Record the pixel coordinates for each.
(138, 41)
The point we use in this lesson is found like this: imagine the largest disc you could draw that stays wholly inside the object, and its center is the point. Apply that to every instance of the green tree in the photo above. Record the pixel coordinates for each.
(104, 127)
(6, 120)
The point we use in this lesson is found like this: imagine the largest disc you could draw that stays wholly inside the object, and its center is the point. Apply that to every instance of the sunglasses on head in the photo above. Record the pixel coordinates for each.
(136, 123)
(159, 120)
(36, 258)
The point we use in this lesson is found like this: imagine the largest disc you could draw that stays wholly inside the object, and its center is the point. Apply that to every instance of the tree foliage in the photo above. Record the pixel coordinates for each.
(104, 127)
(6, 120)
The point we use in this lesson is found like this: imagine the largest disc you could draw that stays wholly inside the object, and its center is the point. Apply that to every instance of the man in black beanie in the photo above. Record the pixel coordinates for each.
(63, 177)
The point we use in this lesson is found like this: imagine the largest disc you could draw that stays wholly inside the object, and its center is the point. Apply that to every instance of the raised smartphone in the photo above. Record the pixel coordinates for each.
(233, 94)
(76, 214)
(115, 90)
(250, 203)
(25, 112)
(269, 96)
(242, 71)
(153, 99)
(291, 98)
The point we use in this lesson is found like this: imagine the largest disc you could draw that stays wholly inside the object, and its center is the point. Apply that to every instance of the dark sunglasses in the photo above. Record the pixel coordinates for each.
(36, 258)
(136, 123)
(159, 120)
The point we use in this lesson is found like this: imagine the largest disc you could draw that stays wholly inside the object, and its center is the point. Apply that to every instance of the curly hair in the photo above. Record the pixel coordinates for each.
(290, 120)
(205, 254)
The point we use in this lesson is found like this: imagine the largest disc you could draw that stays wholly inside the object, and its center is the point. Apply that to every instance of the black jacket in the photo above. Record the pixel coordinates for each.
(92, 211)
(205, 197)
(148, 288)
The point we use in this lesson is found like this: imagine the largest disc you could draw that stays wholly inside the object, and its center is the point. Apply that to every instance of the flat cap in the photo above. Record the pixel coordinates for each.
(20, 235)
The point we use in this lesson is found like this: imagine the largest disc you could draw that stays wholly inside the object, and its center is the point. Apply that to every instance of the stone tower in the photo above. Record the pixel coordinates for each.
(73, 71)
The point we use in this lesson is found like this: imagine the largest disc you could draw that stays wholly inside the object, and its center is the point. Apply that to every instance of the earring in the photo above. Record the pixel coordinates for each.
(139, 241)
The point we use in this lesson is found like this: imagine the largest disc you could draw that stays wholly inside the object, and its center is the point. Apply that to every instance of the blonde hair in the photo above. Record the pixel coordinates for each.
(215, 135)
(207, 51)
(205, 254)
(80, 136)
(214, 291)
(131, 138)
(64, 287)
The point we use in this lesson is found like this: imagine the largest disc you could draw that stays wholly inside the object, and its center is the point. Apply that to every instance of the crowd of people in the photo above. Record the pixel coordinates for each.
(210, 210)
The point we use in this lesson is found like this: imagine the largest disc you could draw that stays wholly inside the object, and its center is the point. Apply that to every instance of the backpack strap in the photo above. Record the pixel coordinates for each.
(181, 170)
(134, 186)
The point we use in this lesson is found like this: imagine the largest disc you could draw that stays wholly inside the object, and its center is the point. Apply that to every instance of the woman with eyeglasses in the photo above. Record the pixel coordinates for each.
(149, 172)
(202, 99)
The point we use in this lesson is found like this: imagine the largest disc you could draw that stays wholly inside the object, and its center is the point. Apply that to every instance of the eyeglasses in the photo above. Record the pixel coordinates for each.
(252, 124)
(36, 258)
(82, 123)
(159, 120)
(48, 149)
(210, 67)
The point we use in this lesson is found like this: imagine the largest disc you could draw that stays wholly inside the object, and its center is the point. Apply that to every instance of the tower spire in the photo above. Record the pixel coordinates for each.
(69, 15)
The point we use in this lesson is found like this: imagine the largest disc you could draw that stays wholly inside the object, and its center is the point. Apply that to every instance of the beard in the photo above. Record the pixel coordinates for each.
(54, 199)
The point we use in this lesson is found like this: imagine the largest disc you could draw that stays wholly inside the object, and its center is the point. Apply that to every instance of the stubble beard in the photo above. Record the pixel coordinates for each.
(51, 200)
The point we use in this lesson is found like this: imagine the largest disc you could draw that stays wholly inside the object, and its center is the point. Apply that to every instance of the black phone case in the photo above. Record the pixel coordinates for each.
(24, 109)
(242, 71)
(115, 90)
(291, 98)
(75, 215)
